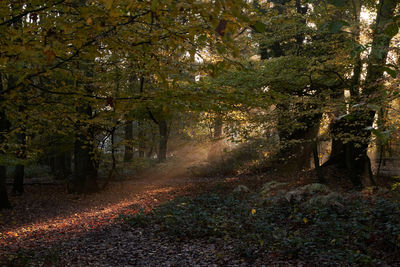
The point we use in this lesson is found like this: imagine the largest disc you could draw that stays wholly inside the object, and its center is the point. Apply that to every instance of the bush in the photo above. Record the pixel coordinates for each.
(324, 224)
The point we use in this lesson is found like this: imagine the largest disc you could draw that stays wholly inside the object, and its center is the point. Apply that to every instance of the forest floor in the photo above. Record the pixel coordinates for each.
(47, 223)
(49, 227)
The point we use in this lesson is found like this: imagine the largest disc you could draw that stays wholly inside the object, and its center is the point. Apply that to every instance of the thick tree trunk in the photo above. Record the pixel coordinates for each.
(128, 138)
(85, 166)
(18, 184)
(4, 126)
(352, 153)
(4, 202)
(297, 145)
(68, 163)
(61, 165)
(19, 171)
(85, 172)
(163, 129)
(350, 145)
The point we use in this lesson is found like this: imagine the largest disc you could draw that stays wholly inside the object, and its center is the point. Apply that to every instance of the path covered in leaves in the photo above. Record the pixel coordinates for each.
(50, 227)
(81, 229)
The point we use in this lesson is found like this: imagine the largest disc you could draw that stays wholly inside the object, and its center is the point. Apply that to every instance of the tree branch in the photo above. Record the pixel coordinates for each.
(16, 18)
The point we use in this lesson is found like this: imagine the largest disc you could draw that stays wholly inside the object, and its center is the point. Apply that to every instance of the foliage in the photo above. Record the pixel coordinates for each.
(339, 228)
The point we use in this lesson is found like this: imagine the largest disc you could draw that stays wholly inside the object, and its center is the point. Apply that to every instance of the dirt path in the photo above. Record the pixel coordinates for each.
(46, 218)
(85, 230)
(49, 227)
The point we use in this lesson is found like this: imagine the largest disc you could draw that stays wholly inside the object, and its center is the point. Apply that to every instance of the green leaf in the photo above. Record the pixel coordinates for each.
(260, 27)
(391, 72)
(221, 48)
(392, 30)
(108, 3)
(336, 26)
(154, 5)
(338, 3)
(202, 38)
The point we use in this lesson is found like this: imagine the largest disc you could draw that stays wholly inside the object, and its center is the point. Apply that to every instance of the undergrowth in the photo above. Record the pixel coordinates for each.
(310, 222)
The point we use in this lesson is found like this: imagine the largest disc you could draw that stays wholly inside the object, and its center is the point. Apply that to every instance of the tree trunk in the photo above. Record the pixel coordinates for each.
(4, 202)
(163, 129)
(353, 153)
(297, 145)
(152, 144)
(68, 163)
(215, 150)
(317, 166)
(19, 171)
(141, 137)
(18, 184)
(60, 165)
(113, 159)
(4, 126)
(128, 138)
(85, 172)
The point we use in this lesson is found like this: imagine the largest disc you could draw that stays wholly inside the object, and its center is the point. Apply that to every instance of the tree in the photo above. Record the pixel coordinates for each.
(58, 37)
(357, 124)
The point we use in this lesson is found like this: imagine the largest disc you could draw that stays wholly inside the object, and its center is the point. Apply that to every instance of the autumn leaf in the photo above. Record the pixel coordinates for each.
(108, 3)
(50, 55)
(89, 21)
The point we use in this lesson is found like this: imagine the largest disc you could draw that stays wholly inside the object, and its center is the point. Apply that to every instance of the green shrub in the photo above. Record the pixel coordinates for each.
(324, 224)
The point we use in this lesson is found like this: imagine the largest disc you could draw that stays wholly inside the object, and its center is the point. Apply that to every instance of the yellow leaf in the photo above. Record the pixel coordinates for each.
(154, 5)
(114, 13)
(253, 211)
(305, 220)
(89, 21)
(108, 3)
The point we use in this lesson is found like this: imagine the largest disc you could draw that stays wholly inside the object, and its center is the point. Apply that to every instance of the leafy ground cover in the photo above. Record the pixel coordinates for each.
(235, 221)
(309, 224)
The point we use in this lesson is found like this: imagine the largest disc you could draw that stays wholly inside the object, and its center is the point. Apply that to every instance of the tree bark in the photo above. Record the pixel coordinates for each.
(352, 153)
(317, 166)
(4, 126)
(142, 138)
(163, 129)
(297, 144)
(85, 166)
(4, 202)
(61, 165)
(18, 184)
(215, 149)
(128, 138)
(19, 171)
(85, 172)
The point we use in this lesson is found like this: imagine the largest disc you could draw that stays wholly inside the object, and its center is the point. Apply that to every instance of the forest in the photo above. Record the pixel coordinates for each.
(199, 133)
